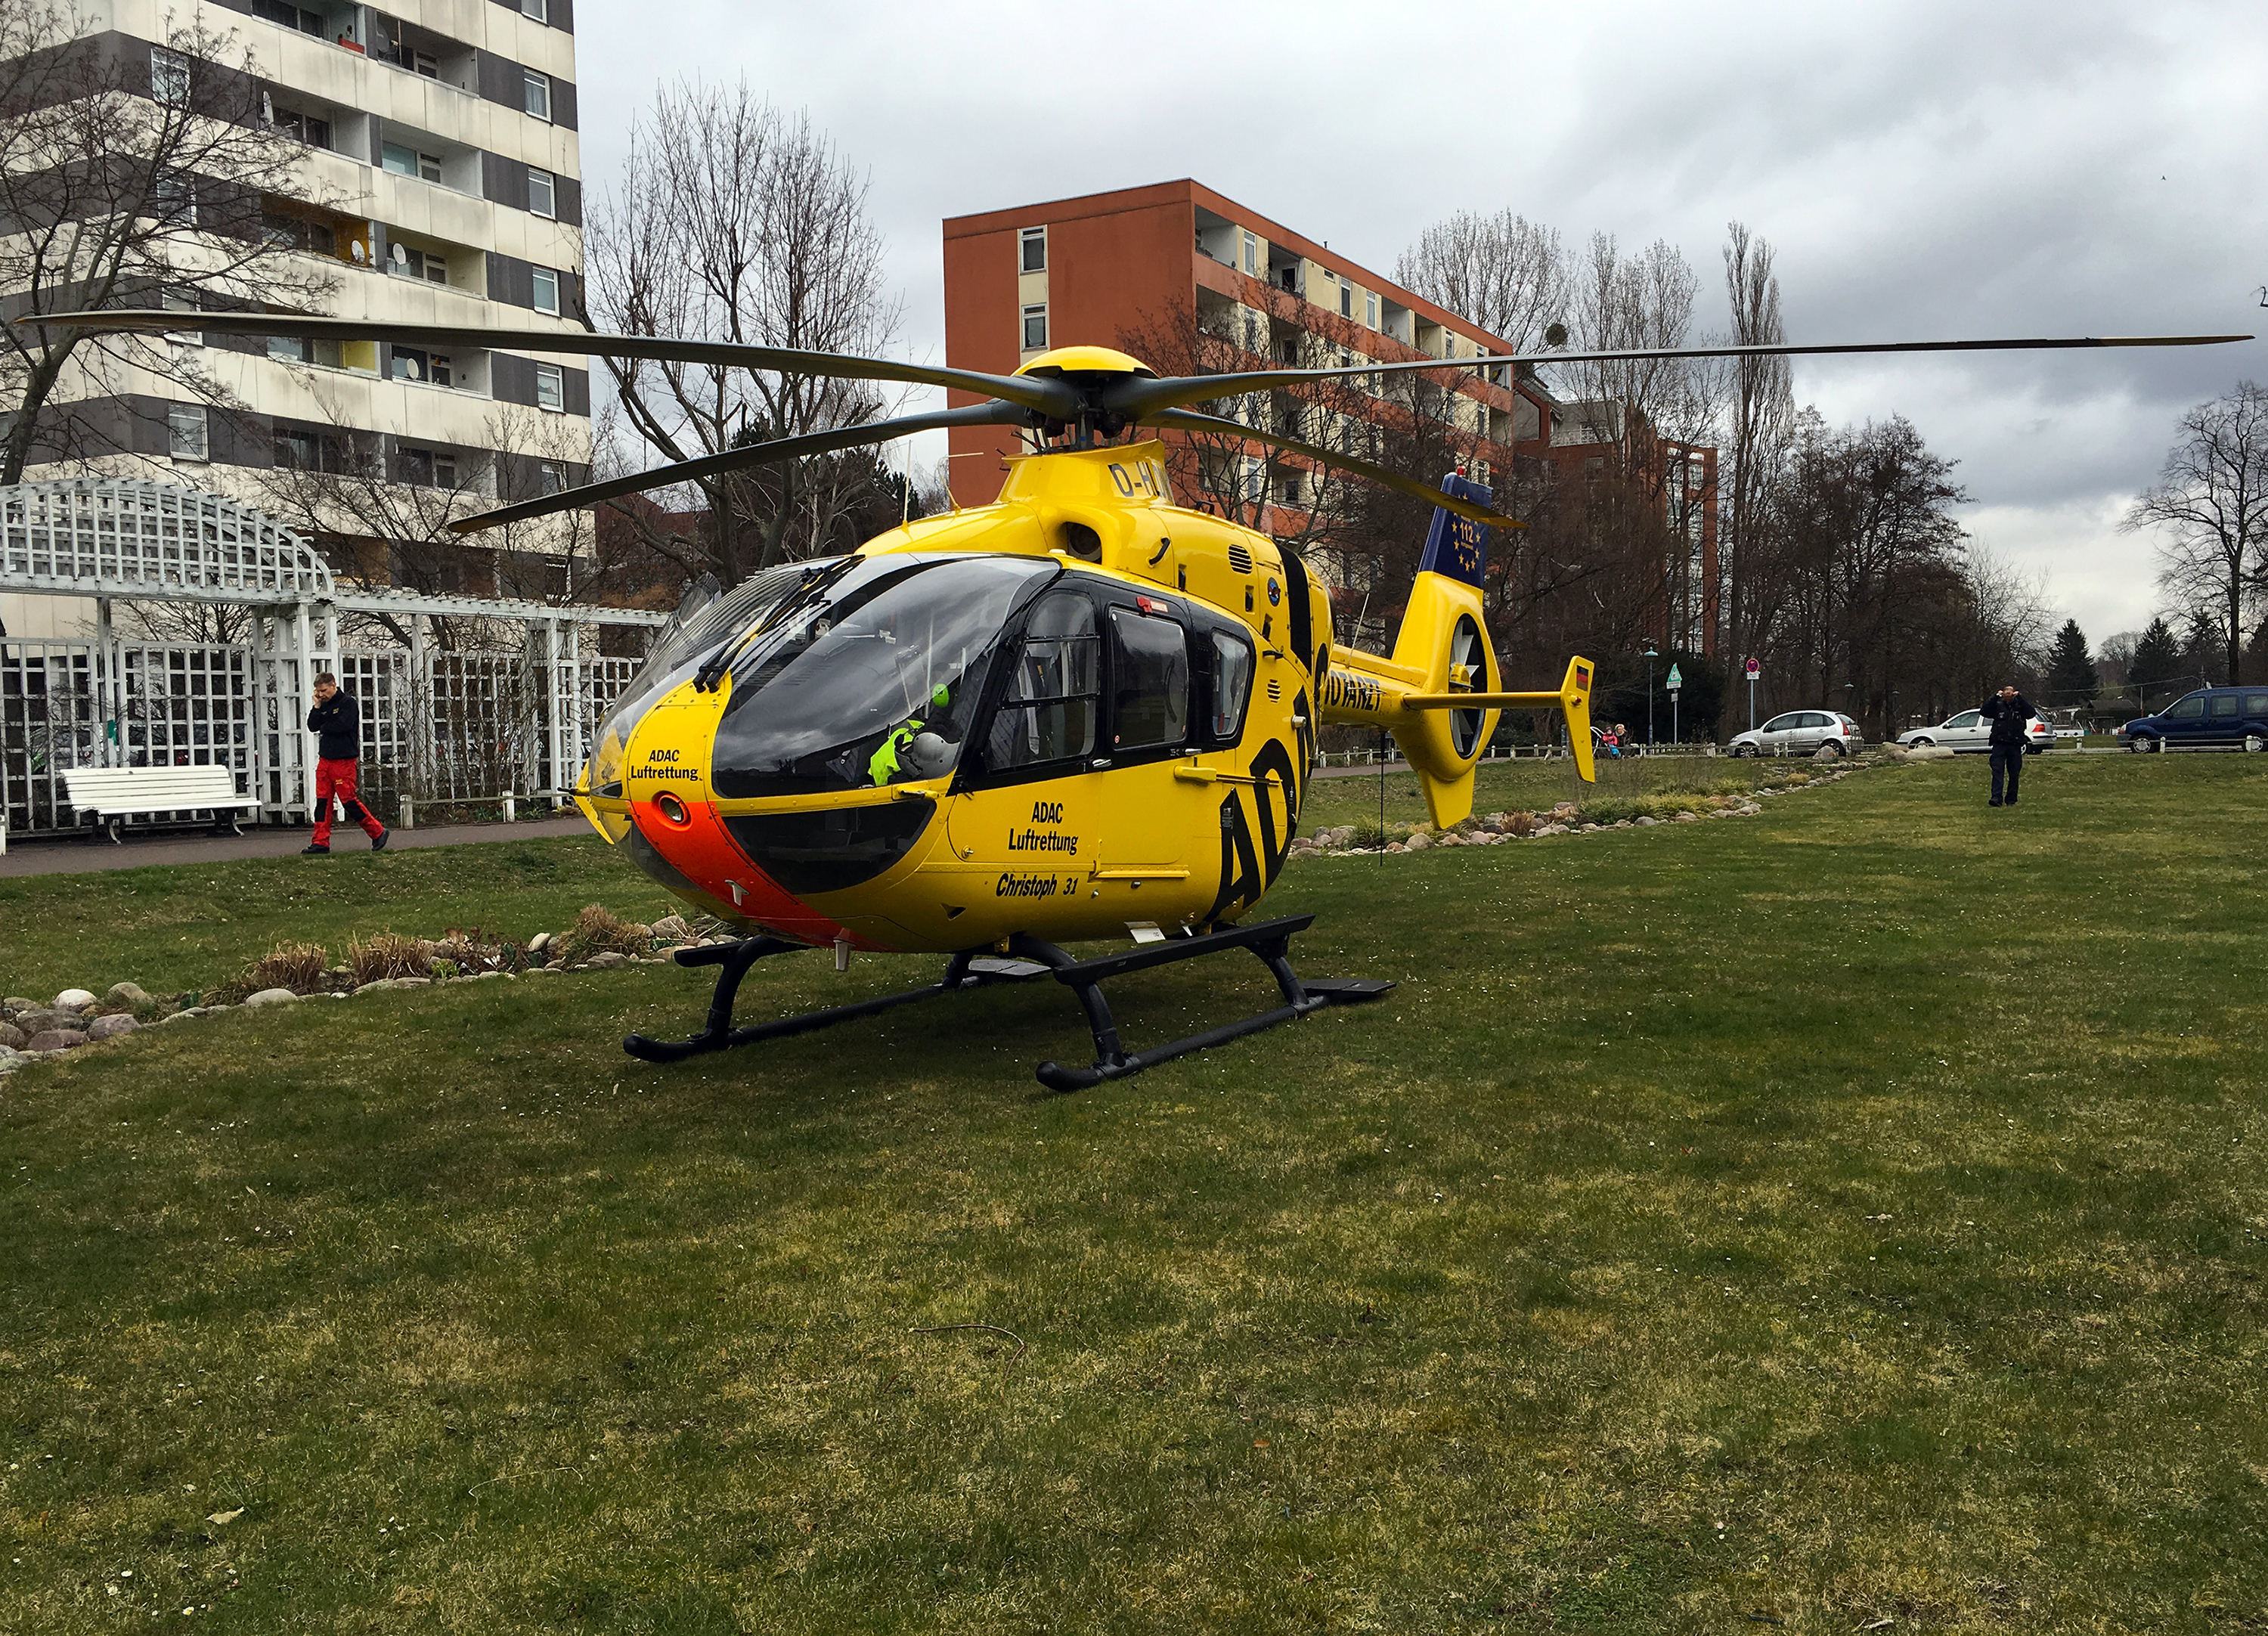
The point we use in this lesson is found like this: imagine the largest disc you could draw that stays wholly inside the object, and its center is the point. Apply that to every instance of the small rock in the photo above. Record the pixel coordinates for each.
(111, 1026)
(1418, 843)
(608, 959)
(55, 1039)
(73, 999)
(672, 928)
(1681, 818)
(478, 975)
(15, 1002)
(541, 941)
(11, 1037)
(380, 986)
(272, 997)
(413, 982)
(125, 994)
(12, 1059)
(180, 1016)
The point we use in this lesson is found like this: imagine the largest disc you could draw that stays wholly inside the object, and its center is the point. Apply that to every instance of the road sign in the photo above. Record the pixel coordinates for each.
(1754, 669)
(1676, 681)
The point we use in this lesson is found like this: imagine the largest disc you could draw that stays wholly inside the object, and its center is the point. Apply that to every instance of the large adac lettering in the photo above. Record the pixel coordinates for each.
(1247, 870)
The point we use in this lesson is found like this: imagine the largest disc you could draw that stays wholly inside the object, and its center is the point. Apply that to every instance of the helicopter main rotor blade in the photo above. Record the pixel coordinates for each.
(777, 451)
(1039, 393)
(1140, 398)
(1185, 420)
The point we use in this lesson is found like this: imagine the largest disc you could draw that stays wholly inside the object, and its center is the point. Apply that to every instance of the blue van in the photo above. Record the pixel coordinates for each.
(2209, 715)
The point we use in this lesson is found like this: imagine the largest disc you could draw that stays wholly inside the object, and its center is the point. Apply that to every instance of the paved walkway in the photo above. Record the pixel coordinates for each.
(78, 856)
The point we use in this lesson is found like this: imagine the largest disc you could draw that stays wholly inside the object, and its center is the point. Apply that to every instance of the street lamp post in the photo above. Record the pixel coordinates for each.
(1650, 657)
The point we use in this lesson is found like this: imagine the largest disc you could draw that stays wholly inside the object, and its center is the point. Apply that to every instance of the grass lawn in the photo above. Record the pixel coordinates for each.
(192, 925)
(1848, 1214)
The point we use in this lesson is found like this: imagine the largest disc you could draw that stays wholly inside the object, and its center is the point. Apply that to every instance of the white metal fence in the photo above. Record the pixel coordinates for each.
(454, 728)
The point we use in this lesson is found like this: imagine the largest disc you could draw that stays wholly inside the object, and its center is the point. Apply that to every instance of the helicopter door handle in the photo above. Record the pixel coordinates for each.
(1100, 762)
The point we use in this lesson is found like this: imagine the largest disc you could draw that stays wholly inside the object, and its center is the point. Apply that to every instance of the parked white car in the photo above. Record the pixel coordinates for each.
(1969, 733)
(1801, 733)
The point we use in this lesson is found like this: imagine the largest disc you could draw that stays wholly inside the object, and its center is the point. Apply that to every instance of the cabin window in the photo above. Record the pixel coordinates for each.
(1150, 684)
(1055, 690)
(1232, 687)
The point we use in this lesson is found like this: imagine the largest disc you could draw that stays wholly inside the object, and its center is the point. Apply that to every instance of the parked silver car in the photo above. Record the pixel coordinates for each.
(1801, 733)
(1970, 733)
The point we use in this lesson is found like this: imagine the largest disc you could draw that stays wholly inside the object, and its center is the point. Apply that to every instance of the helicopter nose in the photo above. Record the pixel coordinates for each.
(662, 767)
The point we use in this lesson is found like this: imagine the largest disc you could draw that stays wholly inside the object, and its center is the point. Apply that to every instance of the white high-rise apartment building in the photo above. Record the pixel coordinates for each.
(440, 142)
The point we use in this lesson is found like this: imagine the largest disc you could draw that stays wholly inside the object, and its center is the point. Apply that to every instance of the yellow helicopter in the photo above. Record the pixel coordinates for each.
(1083, 713)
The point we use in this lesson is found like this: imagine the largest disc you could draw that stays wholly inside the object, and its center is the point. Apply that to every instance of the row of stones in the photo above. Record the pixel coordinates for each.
(75, 1017)
(1565, 819)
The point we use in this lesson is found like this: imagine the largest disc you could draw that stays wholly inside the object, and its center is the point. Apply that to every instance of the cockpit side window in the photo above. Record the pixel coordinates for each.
(1150, 682)
(1054, 693)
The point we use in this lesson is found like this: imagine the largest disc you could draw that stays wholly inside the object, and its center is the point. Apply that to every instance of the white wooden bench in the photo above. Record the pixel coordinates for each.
(112, 794)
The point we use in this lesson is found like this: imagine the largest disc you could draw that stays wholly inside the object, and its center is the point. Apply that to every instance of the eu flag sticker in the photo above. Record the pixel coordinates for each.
(1457, 546)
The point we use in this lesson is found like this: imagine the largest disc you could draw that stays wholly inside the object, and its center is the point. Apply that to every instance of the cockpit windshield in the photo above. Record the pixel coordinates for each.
(874, 682)
(704, 625)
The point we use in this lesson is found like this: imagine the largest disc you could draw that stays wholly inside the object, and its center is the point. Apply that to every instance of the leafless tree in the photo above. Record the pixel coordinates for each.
(1503, 272)
(1761, 415)
(1633, 303)
(128, 175)
(735, 222)
(2210, 507)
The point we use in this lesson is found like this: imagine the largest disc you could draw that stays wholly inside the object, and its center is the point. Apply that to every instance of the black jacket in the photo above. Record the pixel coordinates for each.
(2008, 716)
(337, 727)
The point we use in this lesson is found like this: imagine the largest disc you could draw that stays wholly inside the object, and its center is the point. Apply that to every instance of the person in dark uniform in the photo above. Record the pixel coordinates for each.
(336, 723)
(2008, 710)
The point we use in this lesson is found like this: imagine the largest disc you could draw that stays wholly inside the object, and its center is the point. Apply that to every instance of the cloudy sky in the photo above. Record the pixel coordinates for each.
(1924, 170)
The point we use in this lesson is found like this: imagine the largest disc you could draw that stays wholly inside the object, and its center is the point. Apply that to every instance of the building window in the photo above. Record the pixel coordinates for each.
(1370, 312)
(550, 389)
(547, 291)
(1346, 300)
(539, 94)
(1033, 250)
(184, 431)
(408, 162)
(307, 127)
(551, 476)
(1035, 327)
(285, 14)
(174, 199)
(414, 364)
(296, 350)
(539, 10)
(542, 194)
(1252, 255)
(404, 262)
(169, 76)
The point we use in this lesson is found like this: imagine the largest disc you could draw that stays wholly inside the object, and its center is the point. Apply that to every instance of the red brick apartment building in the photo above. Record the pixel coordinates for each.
(1095, 270)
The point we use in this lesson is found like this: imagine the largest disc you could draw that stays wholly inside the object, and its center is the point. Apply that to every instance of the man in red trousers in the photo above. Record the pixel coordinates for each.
(336, 723)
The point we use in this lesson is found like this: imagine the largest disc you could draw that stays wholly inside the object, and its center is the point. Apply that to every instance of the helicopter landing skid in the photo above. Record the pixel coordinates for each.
(1269, 940)
(964, 970)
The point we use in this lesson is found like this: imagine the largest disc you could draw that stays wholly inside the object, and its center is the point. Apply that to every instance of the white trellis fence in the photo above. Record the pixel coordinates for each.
(439, 726)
